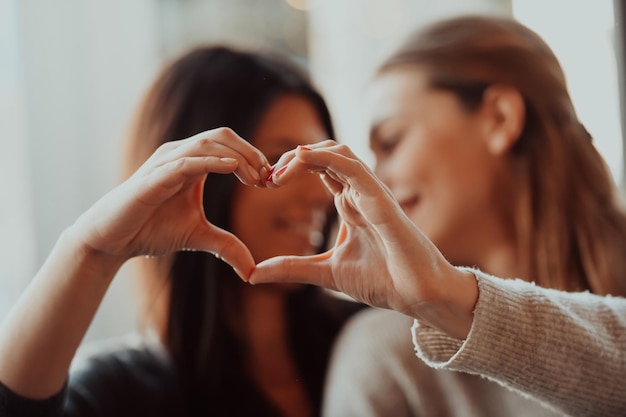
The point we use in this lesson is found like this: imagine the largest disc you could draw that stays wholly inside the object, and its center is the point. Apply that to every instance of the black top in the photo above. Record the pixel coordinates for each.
(140, 380)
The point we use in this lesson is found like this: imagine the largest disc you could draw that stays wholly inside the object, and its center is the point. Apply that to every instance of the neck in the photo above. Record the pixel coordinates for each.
(265, 324)
(270, 359)
(500, 245)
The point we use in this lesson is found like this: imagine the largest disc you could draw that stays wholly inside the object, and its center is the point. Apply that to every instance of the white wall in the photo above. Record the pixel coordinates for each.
(17, 232)
(71, 72)
(350, 38)
(581, 34)
(82, 66)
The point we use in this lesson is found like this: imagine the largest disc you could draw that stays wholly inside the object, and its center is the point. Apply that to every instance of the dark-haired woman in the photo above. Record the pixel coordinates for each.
(221, 347)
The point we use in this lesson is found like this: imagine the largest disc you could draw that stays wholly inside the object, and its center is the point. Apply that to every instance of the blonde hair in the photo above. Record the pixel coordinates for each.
(577, 236)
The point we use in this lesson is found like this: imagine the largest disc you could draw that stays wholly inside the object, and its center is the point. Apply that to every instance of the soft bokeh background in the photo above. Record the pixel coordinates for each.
(72, 71)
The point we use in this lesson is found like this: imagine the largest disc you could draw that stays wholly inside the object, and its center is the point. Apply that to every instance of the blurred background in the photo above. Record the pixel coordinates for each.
(72, 71)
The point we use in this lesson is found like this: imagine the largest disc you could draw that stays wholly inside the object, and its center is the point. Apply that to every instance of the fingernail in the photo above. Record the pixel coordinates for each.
(264, 173)
(253, 172)
(228, 160)
(305, 148)
(269, 175)
(279, 172)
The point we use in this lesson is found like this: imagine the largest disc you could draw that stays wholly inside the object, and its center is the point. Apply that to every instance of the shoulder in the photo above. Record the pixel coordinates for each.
(375, 352)
(123, 376)
(373, 366)
(324, 308)
(379, 338)
(384, 329)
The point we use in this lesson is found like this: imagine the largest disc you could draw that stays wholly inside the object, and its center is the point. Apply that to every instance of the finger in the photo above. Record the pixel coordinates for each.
(181, 170)
(328, 143)
(253, 166)
(282, 162)
(257, 162)
(244, 171)
(225, 246)
(295, 269)
(342, 234)
(230, 139)
(297, 165)
(287, 157)
(335, 187)
(341, 164)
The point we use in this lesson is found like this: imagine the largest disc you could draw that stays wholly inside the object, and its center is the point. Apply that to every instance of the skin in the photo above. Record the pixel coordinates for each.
(438, 160)
(270, 222)
(287, 220)
(282, 221)
(135, 219)
(38, 344)
(381, 257)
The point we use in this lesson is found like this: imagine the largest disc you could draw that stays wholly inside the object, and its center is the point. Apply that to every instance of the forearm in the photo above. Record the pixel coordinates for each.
(451, 308)
(40, 335)
(565, 349)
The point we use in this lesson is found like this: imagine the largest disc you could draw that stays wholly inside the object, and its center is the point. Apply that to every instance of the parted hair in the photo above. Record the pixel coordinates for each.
(576, 239)
(206, 88)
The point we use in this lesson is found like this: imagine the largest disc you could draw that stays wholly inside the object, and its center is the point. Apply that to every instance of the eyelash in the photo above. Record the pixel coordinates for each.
(388, 145)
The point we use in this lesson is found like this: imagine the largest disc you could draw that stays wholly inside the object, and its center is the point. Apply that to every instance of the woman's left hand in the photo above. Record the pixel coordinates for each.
(380, 257)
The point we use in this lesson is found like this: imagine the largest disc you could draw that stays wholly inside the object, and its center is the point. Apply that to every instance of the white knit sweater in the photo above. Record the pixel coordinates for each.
(551, 353)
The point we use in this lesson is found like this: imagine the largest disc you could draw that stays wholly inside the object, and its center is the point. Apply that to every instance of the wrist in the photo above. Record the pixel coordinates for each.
(85, 257)
(452, 310)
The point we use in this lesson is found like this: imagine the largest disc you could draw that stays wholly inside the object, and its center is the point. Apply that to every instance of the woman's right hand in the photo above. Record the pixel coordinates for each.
(158, 210)
(380, 257)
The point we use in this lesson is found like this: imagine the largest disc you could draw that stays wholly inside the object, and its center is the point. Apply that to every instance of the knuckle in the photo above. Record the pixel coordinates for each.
(204, 141)
(165, 146)
(343, 148)
(226, 132)
(179, 164)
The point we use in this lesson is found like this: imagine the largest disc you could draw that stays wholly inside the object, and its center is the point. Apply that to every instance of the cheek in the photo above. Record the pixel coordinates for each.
(419, 160)
(252, 210)
(451, 156)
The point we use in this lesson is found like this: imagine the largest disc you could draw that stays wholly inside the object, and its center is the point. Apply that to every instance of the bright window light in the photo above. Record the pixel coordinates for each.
(581, 34)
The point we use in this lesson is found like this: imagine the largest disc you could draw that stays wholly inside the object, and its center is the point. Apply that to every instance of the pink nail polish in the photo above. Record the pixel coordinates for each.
(280, 172)
(269, 176)
(306, 148)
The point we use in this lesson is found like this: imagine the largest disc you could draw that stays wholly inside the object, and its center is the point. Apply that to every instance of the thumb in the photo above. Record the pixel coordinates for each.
(313, 269)
(227, 247)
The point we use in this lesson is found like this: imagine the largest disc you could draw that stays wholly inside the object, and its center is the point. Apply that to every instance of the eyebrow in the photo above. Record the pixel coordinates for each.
(373, 135)
(374, 131)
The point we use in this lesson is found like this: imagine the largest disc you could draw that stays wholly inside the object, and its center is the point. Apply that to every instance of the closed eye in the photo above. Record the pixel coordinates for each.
(385, 146)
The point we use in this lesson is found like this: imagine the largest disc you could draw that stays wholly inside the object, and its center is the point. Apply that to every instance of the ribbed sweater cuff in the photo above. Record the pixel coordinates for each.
(565, 349)
(489, 339)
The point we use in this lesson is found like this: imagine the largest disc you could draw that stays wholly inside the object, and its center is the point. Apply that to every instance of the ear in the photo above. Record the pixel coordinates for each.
(505, 113)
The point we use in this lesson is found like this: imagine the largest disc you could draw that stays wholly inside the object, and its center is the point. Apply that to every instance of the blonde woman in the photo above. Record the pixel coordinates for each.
(477, 140)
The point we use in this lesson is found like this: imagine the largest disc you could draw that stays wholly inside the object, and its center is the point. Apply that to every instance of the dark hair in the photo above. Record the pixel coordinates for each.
(207, 88)
(577, 231)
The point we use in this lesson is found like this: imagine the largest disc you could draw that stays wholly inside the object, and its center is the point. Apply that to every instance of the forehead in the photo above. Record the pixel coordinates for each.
(290, 120)
(392, 92)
